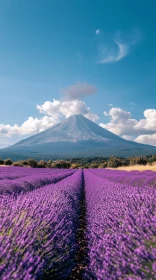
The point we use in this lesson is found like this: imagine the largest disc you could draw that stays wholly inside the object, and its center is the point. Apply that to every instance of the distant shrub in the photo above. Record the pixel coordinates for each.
(49, 163)
(74, 165)
(32, 162)
(24, 162)
(151, 159)
(8, 161)
(1, 161)
(61, 164)
(114, 162)
(103, 164)
(17, 163)
(138, 160)
(93, 165)
(124, 162)
(42, 164)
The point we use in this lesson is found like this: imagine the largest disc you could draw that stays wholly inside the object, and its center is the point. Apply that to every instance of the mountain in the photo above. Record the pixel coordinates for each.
(74, 129)
(76, 136)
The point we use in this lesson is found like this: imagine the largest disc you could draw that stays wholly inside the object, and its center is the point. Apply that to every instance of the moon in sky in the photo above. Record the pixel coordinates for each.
(97, 32)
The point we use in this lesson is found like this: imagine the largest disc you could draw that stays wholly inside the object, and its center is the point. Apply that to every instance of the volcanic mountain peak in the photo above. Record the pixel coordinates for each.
(73, 129)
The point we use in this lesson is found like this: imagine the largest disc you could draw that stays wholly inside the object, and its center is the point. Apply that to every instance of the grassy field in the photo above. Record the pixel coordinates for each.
(138, 167)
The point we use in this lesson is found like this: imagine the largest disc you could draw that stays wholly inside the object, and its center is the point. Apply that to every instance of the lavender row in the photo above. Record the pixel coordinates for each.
(18, 172)
(31, 182)
(136, 178)
(121, 230)
(38, 231)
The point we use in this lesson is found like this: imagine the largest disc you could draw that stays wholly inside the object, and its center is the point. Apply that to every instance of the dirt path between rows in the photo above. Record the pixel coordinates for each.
(81, 240)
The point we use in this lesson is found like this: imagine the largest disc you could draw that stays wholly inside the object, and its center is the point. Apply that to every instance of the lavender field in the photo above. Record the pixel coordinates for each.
(77, 224)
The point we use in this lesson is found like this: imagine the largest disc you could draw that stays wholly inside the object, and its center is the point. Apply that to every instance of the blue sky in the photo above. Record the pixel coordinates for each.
(96, 52)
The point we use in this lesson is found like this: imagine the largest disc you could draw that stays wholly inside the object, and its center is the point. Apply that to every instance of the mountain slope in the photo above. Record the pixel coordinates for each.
(75, 137)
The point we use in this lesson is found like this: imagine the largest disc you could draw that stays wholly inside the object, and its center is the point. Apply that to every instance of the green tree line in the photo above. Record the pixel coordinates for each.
(96, 162)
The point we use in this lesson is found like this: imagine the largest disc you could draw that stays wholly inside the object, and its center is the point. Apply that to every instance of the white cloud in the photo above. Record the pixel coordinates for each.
(51, 109)
(123, 51)
(128, 137)
(148, 124)
(79, 90)
(147, 139)
(118, 114)
(97, 32)
(122, 124)
(30, 126)
(114, 54)
(115, 47)
(53, 112)
(66, 108)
